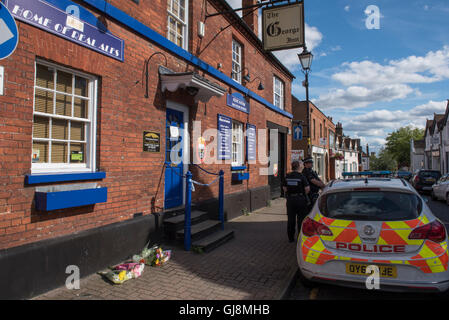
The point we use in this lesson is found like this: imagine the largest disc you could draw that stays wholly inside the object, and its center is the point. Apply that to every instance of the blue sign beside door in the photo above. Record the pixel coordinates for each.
(174, 158)
(9, 35)
(224, 126)
(251, 142)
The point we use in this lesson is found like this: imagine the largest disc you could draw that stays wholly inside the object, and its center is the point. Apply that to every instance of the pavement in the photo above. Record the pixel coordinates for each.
(258, 264)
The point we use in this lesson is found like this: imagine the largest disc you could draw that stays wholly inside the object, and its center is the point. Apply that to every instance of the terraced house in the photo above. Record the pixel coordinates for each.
(436, 138)
(104, 111)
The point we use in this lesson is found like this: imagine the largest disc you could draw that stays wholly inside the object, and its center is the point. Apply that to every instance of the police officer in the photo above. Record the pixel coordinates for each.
(296, 189)
(314, 181)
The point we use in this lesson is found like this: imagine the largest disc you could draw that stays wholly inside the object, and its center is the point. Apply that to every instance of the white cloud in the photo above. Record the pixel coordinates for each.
(360, 97)
(376, 125)
(336, 48)
(347, 8)
(369, 82)
(430, 68)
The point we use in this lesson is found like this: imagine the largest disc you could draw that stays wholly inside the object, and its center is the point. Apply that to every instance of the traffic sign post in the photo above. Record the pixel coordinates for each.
(297, 132)
(9, 34)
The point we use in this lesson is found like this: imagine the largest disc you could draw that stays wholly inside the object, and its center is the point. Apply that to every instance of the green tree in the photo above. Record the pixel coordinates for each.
(385, 161)
(398, 144)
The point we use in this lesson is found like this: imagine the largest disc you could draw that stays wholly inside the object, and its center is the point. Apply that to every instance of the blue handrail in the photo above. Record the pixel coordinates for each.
(188, 207)
(215, 174)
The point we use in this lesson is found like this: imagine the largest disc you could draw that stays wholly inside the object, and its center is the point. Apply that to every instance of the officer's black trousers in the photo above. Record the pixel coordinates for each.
(297, 209)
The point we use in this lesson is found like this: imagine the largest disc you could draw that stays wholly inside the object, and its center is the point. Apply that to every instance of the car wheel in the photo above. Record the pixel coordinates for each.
(432, 195)
(309, 284)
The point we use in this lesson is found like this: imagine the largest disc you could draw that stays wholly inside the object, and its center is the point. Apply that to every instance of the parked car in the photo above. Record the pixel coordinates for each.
(403, 174)
(360, 224)
(424, 179)
(440, 190)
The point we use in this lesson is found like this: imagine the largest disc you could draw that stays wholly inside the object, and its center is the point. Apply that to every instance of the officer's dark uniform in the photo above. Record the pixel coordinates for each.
(295, 182)
(311, 174)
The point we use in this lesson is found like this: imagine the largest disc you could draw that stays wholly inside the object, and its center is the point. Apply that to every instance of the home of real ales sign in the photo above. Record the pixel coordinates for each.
(65, 19)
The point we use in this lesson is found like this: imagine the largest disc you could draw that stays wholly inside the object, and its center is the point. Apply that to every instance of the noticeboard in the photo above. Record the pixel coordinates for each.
(151, 141)
(224, 126)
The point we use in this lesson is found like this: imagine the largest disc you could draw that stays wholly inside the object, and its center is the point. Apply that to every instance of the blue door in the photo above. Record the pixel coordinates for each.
(174, 137)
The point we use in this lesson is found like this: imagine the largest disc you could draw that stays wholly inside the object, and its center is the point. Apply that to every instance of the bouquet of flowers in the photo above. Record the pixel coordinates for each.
(154, 256)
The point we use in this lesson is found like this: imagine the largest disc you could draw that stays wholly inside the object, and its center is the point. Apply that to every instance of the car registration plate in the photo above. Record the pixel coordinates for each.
(360, 269)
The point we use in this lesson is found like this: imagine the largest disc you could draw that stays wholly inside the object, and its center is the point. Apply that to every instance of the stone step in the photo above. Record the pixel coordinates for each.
(177, 222)
(200, 230)
(214, 240)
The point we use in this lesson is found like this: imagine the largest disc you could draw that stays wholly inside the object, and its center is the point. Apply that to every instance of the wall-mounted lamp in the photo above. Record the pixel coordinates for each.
(146, 69)
(245, 77)
(260, 87)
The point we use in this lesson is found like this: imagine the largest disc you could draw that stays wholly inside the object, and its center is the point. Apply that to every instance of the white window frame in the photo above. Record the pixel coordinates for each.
(184, 21)
(236, 61)
(278, 84)
(237, 145)
(91, 125)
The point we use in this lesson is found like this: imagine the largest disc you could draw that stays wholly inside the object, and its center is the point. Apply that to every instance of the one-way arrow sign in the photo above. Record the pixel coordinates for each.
(9, 35)
(297, 132)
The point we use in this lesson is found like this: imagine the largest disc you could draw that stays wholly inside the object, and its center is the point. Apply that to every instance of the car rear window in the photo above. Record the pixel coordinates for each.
(370, 205)
(430, 174)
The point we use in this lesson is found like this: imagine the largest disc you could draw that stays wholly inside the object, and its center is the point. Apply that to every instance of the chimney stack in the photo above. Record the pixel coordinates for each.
(339, 129)
(251, 15)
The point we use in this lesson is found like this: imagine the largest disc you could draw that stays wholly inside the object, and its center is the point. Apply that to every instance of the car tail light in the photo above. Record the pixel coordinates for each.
(311, 228)
(434, 231)
(416, 179)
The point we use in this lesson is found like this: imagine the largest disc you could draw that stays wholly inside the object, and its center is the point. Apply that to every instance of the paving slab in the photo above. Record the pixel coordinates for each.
(259, 263)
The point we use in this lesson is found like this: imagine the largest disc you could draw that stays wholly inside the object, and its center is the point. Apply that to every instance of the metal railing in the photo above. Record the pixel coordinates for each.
(188, 203)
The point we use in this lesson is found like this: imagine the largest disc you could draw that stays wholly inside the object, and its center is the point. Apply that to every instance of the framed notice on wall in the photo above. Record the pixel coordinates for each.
(251, 142)
(224, 126)
(151, 141)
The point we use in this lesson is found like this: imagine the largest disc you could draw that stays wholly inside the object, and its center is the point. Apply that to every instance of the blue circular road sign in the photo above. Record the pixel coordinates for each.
(9, 35)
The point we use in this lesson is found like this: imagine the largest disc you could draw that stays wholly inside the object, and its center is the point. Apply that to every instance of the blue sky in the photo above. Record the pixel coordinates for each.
(374, 81)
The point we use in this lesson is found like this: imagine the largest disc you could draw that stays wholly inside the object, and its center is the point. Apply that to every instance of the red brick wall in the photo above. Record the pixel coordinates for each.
(134, 178)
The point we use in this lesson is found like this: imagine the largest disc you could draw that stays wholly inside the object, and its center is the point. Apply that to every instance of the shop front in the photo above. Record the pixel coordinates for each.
(102, 120)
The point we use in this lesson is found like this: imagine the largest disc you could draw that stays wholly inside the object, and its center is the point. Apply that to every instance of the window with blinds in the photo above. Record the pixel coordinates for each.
(62, 124)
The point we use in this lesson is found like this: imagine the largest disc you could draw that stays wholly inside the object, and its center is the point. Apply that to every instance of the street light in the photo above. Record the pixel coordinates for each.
(306, 57)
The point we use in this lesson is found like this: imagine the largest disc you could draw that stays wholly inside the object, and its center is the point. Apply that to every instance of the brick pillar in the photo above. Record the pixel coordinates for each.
(251, 15)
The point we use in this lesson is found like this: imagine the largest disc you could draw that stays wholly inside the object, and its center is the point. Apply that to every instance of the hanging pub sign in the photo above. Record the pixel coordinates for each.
(237, 101)
(151, 141)
(251, 142)
(70, 21)
(283, 27)
(224, 126)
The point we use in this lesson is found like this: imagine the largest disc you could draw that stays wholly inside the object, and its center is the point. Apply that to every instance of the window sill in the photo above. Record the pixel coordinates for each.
(31, 179)
(48, 201)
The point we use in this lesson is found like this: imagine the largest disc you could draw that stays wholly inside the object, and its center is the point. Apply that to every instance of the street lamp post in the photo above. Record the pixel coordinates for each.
(306, 57)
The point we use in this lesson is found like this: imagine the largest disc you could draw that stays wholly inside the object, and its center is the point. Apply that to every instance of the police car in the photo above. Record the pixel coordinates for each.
(373, 221)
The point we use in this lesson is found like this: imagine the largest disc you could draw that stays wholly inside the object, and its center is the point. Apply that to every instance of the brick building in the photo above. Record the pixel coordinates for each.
(99, 97)
(315, 143)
